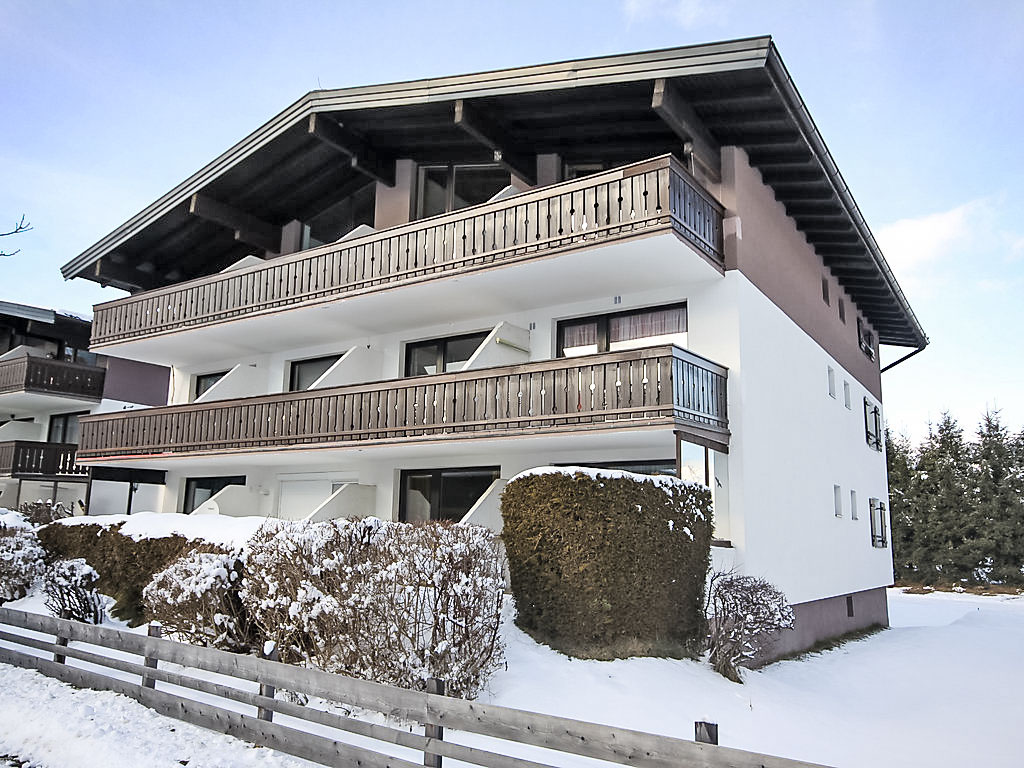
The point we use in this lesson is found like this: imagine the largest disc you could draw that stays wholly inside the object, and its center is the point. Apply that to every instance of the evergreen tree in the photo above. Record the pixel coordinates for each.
(998, 504)
(899, 459)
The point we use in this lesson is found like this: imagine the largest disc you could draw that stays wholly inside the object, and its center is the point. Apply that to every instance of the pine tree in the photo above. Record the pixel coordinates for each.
(999, 504)
(902, 505)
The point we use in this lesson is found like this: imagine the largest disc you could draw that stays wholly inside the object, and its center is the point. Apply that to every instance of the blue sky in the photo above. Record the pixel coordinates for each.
(108, 105)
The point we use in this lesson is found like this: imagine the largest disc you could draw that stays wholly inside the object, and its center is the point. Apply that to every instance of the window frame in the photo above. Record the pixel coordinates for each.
(294, 364)
(196, 394)
(63, 419)
(442, 343)
(873, 432)
(837, 499)
(878, 531)
(436, 474)
(603, 321)
(866, 339)
(189, 493)
(451, 170)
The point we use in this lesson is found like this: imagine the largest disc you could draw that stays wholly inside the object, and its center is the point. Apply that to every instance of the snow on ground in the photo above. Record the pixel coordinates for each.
(941, 688)
(217, 529)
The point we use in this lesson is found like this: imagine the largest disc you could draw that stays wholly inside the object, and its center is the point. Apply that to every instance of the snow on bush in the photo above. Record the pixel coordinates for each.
(21, 561)
(196, 600)
(70, 588)
(391, 602)
(743, 613)
(42, 512)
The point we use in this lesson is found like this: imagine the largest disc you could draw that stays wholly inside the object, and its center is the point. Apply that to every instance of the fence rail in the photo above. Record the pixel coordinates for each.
(636, 199)
(620, 389)
(21, 458)
(58, 377)
(235, 708)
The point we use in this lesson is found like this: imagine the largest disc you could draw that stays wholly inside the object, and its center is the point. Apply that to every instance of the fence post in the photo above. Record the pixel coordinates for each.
(705, 733)
(155, 630)
(58, 658)
(269, 653)
(433, 685)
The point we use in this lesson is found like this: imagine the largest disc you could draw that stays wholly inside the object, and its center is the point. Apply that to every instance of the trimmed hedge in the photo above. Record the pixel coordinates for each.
(125, 566)
(607, 564)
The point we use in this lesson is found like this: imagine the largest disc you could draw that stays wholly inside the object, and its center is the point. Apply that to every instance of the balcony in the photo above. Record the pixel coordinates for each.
(653, 197)
(38, 383)
(31, 459)
(662, 386)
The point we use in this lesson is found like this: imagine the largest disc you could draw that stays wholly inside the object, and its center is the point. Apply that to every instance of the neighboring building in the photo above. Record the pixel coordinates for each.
(49, 380)
(388, 300)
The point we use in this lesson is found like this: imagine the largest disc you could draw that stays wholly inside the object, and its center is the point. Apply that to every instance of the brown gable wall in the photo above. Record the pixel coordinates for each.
(775, 256)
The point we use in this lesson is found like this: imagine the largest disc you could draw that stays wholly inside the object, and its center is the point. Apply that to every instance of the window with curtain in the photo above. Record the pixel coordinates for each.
(622, 330)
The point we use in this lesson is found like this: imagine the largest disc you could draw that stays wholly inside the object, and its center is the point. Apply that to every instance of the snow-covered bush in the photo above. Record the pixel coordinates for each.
(43, 512)
(70, 588)
(743, 613)
(391, 602)
(21, 561)
(196, 600)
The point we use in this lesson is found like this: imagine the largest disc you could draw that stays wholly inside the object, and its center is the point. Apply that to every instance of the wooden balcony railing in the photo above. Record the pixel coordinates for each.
(655, 386)
(28, 458)
(56, 377)
(655, 195)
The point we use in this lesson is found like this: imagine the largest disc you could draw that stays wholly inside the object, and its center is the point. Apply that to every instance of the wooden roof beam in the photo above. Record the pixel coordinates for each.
(248, 228)
(363, 157)
(494, 137)
(678, 115)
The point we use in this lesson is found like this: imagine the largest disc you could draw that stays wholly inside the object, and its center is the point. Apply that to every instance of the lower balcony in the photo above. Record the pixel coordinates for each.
(659, 387)
(24, 459)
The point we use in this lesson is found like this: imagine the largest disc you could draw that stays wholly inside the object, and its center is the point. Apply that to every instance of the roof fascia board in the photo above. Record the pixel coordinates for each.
(671, 62)
(798, 110)
(24, 311)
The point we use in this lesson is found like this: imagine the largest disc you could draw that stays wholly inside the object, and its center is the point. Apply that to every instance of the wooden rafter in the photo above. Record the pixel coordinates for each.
(248, 228)
(678, 115)
(494, 137)
(363, 157)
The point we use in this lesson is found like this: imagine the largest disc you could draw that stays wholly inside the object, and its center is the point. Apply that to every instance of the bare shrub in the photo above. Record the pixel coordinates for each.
(743, 613)
(21, 562)
(70, 588)
(196, 600)
(42, 512)
(391, 602)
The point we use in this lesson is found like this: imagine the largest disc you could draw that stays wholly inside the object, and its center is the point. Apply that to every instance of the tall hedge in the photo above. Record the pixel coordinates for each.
(125, 566)
(607, 564)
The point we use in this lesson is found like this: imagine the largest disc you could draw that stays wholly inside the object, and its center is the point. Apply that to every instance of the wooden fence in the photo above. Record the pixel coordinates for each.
(642, 198)
(242, 703)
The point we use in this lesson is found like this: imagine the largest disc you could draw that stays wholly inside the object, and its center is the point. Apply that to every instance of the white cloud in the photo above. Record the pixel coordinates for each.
(686, 13)
(910, 244)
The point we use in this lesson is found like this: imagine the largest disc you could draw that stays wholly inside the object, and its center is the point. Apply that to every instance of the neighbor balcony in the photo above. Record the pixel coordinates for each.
(640, 200)
(38, 383)
(658, 387)
(24, 459)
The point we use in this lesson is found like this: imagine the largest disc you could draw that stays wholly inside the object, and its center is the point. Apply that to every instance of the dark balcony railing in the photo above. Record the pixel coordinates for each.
(643, 198)
(54, 377)
(28, 458)
(658, 386)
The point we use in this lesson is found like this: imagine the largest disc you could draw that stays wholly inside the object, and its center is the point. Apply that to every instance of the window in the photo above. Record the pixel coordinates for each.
(579, 170)
(837, 500)
(824, 290)
(199, 490)
(622, 330)
(853, 505)
(846, 394)
(831, 382)
(64, 427)
(302, 373)
(341, 218)
(849, 606)
(445, 188)
(425, 358)
(204, 381)
(442, 494)
(877, 510)
(653, 467)
(866, 339)
(873, 425)
(842, 311)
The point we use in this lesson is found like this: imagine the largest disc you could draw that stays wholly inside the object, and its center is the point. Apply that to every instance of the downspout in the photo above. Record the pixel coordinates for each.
(897, 362)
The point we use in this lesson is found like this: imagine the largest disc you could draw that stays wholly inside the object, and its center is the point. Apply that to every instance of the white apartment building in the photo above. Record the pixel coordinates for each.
(389, 300)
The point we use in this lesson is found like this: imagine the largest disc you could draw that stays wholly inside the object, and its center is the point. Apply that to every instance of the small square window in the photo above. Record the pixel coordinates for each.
(824, 290)
(849, 606)
(837, 493)
(842, 311)
(853, 505)
(846, 394)
(831, 382)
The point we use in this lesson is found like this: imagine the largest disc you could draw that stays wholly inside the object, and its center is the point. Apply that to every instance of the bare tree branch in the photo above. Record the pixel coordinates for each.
(19, 226)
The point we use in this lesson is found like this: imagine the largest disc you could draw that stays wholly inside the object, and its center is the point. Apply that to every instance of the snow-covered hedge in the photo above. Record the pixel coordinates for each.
(196, 600)
(390, 602)
(606, 563)
(70, 589)
(744, 612)
(21, 560)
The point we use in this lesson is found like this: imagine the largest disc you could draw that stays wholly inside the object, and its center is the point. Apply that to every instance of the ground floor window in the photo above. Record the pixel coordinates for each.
(199, 490)
(442, 494)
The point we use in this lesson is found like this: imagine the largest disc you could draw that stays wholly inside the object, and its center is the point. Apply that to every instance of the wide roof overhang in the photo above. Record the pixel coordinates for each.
(331, 142)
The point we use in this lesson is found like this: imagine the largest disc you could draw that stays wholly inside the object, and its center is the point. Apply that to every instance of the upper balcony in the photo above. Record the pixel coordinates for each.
(29, 383)
(452, 257)
(657, 387)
